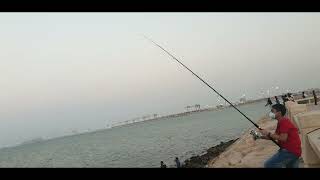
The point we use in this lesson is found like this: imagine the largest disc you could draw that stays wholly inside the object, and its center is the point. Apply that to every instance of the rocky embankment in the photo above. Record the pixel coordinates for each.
(202, 160)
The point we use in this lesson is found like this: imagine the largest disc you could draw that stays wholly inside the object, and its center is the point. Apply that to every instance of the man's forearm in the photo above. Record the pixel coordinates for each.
(271, 136)
(265, 137)
(275, 137)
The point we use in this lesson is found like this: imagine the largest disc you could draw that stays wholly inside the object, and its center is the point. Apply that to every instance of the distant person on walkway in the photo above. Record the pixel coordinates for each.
(162, 165)
(303, 95)
(284, 99)
(178, 164)
(269, 102)
(315, 98)
(287, 137)
(277, 100)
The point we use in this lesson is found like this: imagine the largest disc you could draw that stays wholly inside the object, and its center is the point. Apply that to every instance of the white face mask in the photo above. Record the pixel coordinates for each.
(272, 115)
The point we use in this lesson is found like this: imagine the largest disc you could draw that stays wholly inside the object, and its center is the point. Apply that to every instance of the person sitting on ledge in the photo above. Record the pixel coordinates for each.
(162, 165)
(290, 97)
(269, 102)
(287, 137)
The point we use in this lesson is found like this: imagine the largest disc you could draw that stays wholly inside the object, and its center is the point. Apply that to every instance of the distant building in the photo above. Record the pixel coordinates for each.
(192, 108)
(220, 106)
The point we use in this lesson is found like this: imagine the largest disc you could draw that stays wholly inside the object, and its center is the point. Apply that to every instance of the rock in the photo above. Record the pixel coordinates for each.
(202, 161)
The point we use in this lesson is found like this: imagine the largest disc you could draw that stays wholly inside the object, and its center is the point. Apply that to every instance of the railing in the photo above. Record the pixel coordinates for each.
(308, 100)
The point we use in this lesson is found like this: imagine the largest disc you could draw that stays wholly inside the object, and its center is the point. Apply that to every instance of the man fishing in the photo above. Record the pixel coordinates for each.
(277, 100)
(288, 139)
(226, 100)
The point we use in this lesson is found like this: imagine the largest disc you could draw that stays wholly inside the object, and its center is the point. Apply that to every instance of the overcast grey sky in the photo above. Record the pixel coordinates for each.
(64, 71)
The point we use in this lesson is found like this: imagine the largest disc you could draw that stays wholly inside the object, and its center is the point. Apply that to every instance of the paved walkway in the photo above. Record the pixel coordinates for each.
(312, 107)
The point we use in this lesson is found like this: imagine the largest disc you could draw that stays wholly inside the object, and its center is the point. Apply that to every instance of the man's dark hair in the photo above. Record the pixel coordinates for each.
(280, 108)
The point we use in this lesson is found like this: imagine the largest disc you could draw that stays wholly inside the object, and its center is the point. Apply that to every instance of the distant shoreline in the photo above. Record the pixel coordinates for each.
(175, 115)
(191, 112)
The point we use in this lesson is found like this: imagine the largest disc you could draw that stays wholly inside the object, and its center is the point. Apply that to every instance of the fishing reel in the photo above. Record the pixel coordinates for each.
(256, 135)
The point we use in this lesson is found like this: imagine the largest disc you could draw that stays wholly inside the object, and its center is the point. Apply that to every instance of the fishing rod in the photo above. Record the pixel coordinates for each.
(256, 125)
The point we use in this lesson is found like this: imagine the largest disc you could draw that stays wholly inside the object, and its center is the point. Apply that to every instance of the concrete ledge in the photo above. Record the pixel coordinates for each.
(314, 140)
(308, 122)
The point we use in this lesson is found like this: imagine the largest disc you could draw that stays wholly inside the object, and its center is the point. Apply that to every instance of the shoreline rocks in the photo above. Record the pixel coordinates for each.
(202, 160)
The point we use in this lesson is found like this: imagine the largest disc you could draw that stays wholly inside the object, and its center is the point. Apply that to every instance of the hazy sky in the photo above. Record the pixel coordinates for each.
(65, 71)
